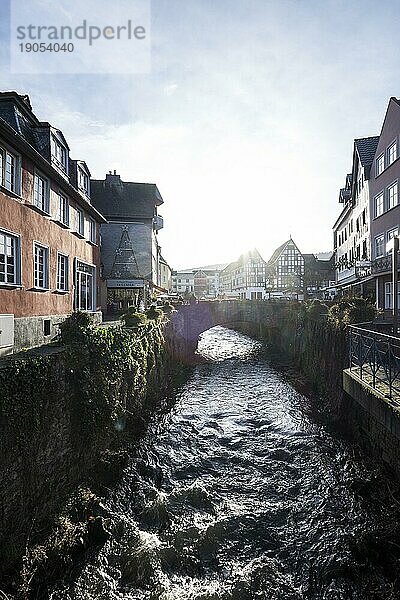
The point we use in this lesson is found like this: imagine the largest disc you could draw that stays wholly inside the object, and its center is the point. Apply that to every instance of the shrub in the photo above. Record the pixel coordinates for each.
(132, 318)
(76, 327)
(154, 313)
(351, 310)
(315, 309)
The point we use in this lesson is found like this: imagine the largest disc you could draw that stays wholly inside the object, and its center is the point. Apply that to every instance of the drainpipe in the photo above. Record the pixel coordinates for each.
(393, 246)
(395, 280)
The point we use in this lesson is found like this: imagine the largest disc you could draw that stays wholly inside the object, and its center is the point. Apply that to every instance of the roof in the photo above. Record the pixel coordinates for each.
(116, 198)
(276, 254)
(20, 127)
(366, 148)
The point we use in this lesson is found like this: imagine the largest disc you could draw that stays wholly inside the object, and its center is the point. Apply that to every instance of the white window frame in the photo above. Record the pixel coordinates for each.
(393, 185)
(43, 206)
(46, 269)
(380, 166)
(388, 294)
(15, 185)
(83, 177)
(381, 235)
(57, 148)
(16, 241)
(80, 221)
(382, 204)
(63, 209)
(80, 275)
(60, 288)
(388, 153)
(92, 231)
(391, 233)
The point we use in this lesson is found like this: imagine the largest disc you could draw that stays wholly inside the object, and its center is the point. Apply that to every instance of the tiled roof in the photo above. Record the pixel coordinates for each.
(125, 199)
(278, 252)
(366, 148)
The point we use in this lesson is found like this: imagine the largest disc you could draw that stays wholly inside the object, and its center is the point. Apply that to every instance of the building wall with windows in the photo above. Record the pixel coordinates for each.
(352, 230)
(285, 272)
(183, 282)
(202, 283)
(384, 200)
(244, 278)
(130, 253)
(49, 232)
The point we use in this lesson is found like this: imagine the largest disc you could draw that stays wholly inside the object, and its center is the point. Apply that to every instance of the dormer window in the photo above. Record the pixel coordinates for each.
(83, 181)
(59, 153)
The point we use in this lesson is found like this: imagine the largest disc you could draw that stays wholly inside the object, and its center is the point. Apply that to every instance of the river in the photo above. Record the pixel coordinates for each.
(236, 493)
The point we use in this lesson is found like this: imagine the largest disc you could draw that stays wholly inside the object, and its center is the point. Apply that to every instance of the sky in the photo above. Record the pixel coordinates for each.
(245, 120)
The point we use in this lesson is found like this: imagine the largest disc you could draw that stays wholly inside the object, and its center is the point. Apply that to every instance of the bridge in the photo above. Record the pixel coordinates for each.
(190, 321)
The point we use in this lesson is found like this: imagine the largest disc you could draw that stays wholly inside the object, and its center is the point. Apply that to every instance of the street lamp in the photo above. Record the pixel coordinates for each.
(393, 247)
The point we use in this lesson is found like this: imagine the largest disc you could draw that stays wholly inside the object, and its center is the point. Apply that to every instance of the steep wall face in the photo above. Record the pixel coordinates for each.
(64, 420)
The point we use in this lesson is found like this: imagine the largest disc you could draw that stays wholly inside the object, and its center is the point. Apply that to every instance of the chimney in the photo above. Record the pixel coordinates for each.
(113, 178)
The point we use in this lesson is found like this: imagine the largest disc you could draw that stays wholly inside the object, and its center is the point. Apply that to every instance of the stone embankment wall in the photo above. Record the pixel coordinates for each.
(67, 417)
(319, 350)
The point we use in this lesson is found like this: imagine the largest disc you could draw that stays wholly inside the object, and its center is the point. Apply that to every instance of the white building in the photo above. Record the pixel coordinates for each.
(245, 278)
(203, 282)
(352, 239)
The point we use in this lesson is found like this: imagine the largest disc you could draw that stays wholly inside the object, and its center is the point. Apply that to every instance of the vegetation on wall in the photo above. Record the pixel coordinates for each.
(315, 336)
(66, 418)
(109, 370)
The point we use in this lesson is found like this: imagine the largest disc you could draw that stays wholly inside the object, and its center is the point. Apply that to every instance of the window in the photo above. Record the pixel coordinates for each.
(83, 181)
(10, 171)
(63, 210)
(59, 153)
(9, 259)
(392, 233)
(392, 196)
(379, 165)
(379, 245)
(41, 272)
(62, 272)
(378, 202)
(388, 294)
(85, 286)
(80, 222)
(392, 153)
(41, 193)
(92, 231)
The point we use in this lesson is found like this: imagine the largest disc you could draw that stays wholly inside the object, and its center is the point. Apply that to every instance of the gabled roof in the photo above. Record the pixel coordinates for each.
(116, 198)
(366, 148)
(276, 254)
(250, 255)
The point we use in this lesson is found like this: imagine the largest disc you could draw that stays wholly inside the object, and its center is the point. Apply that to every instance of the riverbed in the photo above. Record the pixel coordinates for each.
(237, 493)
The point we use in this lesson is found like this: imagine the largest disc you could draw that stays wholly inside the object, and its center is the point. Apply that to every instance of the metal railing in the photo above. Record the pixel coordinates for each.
(374, 358)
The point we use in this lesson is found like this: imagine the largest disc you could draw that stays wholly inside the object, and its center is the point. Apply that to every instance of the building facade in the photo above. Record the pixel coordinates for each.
(285, 272)
(49, 229)
(130, 253)
(319, 276)
(202, 283)
(352, 229)
(165, 274)
(245, 278)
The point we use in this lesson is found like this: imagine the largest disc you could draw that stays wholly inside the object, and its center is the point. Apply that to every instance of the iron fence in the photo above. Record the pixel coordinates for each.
(375, 359)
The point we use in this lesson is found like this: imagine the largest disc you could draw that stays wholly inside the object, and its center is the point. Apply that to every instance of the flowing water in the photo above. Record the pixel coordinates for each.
(236, 494)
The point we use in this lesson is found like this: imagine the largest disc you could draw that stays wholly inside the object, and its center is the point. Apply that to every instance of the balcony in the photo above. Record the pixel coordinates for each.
(158, 223)
(344, 195)
(382, 265)
(348, 273)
